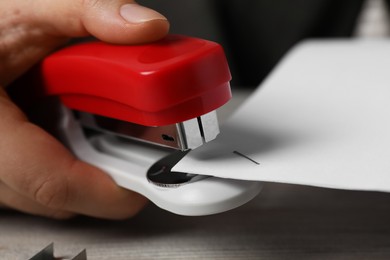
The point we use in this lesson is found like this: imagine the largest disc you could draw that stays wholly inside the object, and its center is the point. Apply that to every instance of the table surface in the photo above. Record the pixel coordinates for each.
(284, 221)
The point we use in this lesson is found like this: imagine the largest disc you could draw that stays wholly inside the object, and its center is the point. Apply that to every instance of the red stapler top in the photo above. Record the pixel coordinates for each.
(169, 81)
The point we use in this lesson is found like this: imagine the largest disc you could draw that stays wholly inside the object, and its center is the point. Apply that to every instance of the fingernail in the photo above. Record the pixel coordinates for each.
(134, 13)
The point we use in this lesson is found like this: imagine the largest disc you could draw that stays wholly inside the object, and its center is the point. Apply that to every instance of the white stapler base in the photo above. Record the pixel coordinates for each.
(128, 163)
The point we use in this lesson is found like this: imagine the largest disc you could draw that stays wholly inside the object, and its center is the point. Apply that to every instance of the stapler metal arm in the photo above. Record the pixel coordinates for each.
(164, 94)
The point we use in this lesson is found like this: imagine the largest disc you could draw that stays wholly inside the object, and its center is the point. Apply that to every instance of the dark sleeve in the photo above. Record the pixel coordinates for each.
(259, 33)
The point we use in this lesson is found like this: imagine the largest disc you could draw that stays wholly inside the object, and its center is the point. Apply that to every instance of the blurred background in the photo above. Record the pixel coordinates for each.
(257, 33)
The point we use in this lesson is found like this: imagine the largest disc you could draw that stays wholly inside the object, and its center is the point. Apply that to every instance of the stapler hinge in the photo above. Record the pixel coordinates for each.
(183, 136)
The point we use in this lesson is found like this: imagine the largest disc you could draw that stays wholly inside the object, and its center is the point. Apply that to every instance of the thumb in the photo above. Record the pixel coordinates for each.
(29, 30)
(120, 21)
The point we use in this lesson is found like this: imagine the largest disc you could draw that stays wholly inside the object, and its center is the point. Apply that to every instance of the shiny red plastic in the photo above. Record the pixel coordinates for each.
(161, 83)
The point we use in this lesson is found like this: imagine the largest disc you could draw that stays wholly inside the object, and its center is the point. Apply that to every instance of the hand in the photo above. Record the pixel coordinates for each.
(37, 174)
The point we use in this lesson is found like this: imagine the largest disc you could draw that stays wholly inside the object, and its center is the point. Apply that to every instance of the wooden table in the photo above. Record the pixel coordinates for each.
(284, 222)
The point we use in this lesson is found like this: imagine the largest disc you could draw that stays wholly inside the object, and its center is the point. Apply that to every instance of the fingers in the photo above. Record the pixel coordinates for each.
(37, 173)
(36, 166)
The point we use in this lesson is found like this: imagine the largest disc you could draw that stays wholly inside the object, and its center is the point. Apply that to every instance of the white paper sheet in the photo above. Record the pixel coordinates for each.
(322, 118)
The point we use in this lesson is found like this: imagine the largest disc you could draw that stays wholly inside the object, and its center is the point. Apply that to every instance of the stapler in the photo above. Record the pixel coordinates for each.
(135, 111)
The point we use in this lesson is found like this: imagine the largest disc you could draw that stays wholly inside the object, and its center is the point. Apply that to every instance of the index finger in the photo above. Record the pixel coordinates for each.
(36, 165)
